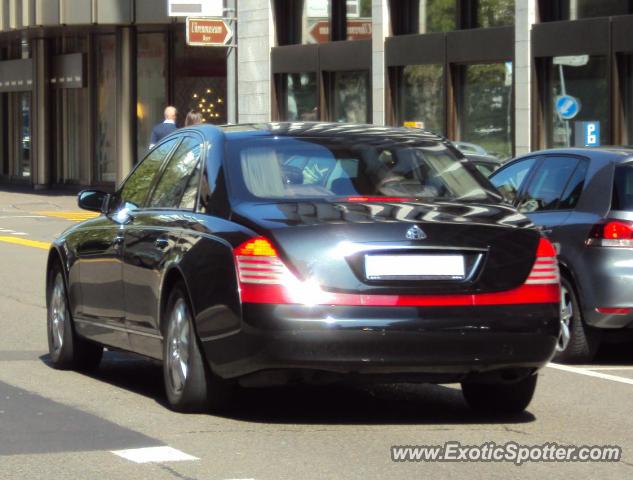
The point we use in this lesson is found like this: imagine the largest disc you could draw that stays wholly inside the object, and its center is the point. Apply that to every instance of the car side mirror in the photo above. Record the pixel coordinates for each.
(93, 200)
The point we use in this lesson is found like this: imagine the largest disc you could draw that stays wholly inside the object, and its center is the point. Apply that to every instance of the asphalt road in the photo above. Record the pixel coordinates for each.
(66, 425)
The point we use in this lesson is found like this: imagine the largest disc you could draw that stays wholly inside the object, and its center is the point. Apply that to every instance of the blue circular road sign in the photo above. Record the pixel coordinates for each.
(567, 106)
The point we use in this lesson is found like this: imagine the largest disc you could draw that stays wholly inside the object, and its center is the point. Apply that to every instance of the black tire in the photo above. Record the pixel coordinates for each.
(190, 386)
(67, 349)
(583, 340)
(506, 398)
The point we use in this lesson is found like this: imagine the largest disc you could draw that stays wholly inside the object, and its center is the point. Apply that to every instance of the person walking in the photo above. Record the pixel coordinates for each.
(194, 117)
(164, 128)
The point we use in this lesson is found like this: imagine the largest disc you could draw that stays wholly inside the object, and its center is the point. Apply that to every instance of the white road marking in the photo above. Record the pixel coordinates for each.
(590, 373)
(608, 368)
(154, 455)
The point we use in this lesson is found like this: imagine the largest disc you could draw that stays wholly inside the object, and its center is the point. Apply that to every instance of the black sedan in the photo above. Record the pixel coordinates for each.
(260, 255)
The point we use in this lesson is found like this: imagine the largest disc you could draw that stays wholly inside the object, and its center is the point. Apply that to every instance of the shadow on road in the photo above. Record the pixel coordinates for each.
(376, 405)
(615, 354)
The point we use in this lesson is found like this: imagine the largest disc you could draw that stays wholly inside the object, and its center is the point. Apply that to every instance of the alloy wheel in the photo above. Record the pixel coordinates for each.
(178, 346)
(566, 316)
(58, 312)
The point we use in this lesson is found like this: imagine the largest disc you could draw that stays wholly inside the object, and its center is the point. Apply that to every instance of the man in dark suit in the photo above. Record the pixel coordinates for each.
(163, 129)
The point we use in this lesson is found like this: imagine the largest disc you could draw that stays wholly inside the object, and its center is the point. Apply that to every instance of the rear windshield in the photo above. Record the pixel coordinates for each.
(623, 188)
(298, 168)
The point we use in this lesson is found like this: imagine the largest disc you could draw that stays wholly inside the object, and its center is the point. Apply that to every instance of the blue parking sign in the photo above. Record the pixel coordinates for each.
(587, 134)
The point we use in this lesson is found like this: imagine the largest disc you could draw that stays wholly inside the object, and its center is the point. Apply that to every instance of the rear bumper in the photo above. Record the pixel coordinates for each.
(606, 281)
(444, 342)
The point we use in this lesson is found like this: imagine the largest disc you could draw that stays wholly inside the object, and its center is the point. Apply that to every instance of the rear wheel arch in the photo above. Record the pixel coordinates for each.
(173, 277)
(54, 258)
(568, 274)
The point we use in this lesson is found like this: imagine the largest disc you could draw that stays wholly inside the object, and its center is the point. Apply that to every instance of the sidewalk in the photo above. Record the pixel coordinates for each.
(14, 201)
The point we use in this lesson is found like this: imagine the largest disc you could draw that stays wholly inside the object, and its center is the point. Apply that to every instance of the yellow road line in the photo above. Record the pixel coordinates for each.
(77, 216)
(26, 243)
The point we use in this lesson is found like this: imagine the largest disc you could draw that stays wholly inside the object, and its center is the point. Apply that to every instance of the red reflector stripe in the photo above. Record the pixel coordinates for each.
(614, 311)
(378, 199)
(526, 294)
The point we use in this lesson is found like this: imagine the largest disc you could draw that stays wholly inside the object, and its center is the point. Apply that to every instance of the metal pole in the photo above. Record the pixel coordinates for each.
(231, 64)
(563, 90)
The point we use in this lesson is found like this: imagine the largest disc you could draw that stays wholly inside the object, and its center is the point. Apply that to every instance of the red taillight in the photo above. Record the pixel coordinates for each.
(545, 269)
(257, 262)
(611, 233)
(264, 278)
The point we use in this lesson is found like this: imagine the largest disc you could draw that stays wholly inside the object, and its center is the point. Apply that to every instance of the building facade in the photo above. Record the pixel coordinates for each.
(82, 82)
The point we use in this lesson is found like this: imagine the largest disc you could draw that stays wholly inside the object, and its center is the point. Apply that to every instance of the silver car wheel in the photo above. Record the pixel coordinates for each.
(566, 316)
(178, 339)
(57, 314)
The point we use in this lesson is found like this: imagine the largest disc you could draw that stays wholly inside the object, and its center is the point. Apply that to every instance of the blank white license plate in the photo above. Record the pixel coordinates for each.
(381, 266)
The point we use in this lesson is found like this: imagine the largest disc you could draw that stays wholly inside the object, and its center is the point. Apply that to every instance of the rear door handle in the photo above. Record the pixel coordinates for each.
(161, 243)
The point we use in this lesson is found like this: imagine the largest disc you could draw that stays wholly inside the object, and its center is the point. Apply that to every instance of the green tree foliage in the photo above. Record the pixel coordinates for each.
(440, 15)
(495, 13)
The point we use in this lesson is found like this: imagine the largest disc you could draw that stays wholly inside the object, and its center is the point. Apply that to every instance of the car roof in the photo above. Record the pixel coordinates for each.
(614, 153)
(321, 129)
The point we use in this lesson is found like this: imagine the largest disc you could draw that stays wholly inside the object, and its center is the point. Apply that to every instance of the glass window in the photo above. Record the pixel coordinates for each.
(359, 24)
(437, 16)
(349, 97)
(623, 188)
(485, 107)
(494, 13)
(423, 16)
(574, 188)
(300, 100)
(548, 183)
(137, 185)
(105, 139)
(509, 180)
(348, 166)
(315, 21)
(585, 79)
(627, 93)
(151, 72)
(24, 134)
(485, 169)
(180, 178)
(553, 10)
(421, 96)
(199, 81)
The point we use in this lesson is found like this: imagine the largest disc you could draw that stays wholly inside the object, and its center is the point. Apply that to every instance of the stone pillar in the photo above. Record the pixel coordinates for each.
(380, 31)
(256, 37)
(126, 102)
(40, 118)
(526, 11)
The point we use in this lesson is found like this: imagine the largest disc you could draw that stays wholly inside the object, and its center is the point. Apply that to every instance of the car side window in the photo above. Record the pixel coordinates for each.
(574, 188)
(510, 179)
(178, 185)
(135, 189)
(548, 184)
